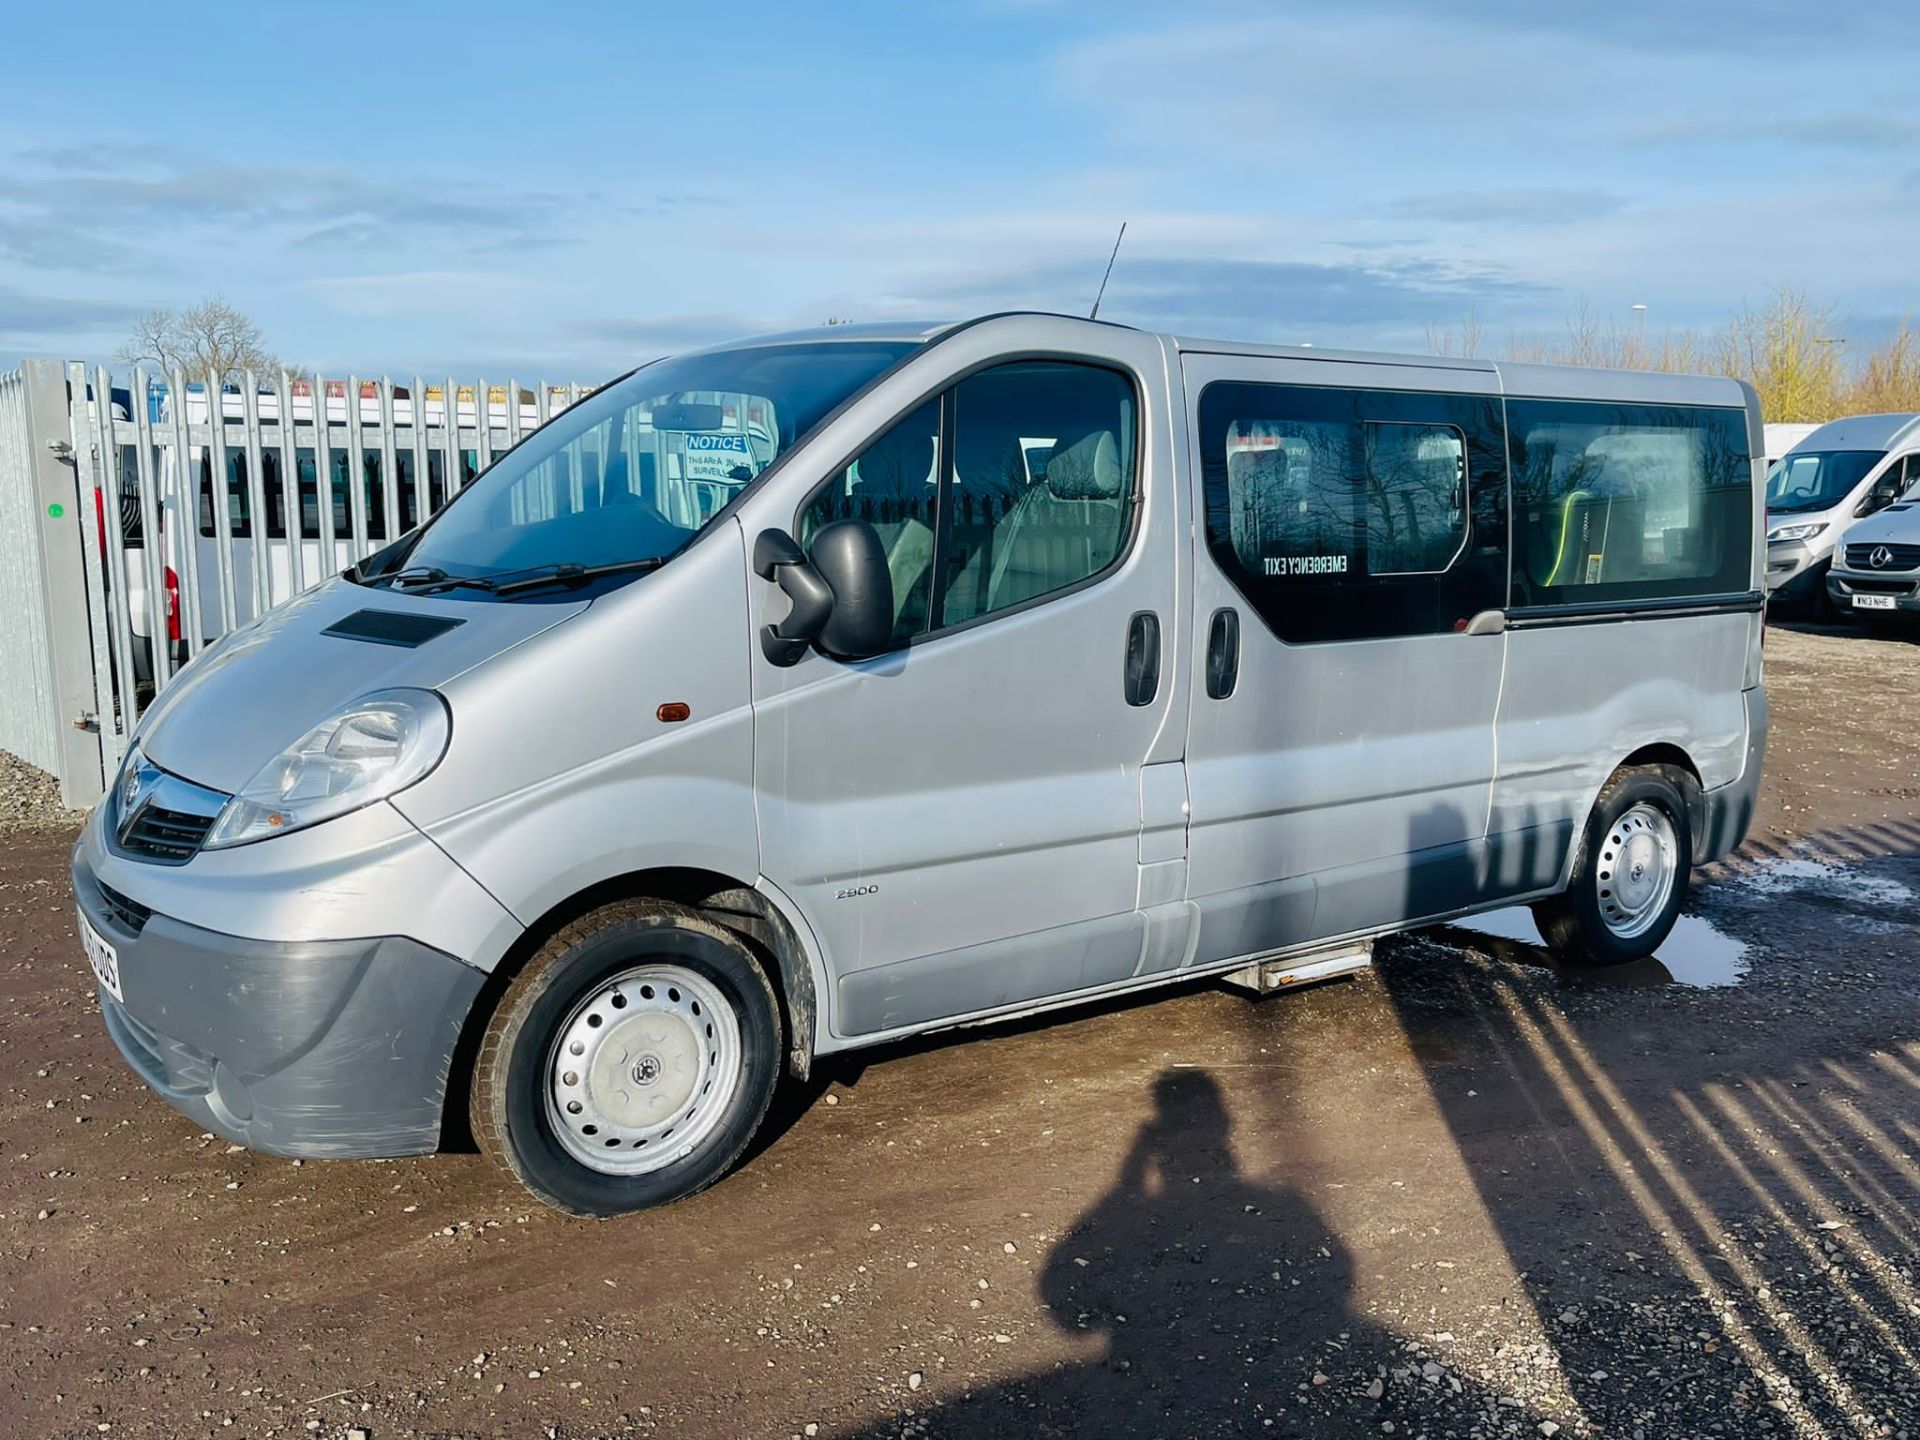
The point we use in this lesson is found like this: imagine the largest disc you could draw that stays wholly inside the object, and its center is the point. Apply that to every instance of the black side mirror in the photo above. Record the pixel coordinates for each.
(842, 598)
(777, 558)
(850, 557)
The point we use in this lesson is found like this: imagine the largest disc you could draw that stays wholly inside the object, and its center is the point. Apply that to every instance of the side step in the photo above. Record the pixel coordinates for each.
(1263, 977)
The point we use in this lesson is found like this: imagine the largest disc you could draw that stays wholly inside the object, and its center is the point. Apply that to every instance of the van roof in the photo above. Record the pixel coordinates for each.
(1518, 379)
(1862, 432)
(910, 331)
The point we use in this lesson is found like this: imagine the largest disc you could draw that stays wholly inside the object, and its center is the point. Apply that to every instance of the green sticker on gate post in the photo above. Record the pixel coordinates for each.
(56, 510)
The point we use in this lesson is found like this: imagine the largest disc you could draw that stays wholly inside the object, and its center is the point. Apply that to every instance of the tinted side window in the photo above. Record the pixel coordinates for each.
(894, 486)
(1628, 502)
(132, 525)
(239, 501)
(1355, 514)
(239, 524)
(1042, 485)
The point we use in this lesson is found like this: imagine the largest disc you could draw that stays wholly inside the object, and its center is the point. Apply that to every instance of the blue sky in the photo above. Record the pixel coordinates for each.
(564, 190)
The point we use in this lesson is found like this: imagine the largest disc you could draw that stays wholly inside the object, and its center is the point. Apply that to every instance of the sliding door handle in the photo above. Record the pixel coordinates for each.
(1143, 658)
(1223, 653)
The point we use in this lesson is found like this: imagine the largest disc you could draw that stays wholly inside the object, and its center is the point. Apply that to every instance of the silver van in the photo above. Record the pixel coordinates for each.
(1876, 564)
(1843, 471)
(819, 690)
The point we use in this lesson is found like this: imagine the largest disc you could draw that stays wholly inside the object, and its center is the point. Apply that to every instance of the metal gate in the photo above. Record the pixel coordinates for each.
(142, 518)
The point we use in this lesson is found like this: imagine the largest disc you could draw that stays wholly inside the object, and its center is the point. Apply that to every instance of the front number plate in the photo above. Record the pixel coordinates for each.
(1873, 602)
(103, 957)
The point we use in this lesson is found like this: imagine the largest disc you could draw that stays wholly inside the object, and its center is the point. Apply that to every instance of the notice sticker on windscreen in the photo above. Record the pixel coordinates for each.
(718, 457)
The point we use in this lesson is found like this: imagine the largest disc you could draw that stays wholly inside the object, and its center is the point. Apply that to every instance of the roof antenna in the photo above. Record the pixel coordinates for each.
(1094, 314)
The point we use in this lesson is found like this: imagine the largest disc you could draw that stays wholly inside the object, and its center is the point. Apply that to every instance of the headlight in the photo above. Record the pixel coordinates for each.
(373, 748)
(1795, 532)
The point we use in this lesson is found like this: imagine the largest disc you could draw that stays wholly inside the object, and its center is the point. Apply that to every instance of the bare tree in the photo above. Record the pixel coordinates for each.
(211, 338)
(1461, 340)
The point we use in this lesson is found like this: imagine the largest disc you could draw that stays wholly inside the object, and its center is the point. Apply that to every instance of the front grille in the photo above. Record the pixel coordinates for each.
(1866, 585)
(1899, 557)
(167, 835)
(129, 912)
(160, 818)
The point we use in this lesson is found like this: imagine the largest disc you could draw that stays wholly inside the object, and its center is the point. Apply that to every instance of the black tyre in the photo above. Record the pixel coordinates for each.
(630, 1062)
(1821, 605)
(1630, 873)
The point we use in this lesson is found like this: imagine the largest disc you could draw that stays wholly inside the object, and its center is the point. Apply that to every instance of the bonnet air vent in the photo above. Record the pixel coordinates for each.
(391, 627)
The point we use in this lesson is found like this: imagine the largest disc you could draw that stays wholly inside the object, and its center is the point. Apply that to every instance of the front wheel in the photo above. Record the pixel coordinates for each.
(631, 1061)
(1630, 875)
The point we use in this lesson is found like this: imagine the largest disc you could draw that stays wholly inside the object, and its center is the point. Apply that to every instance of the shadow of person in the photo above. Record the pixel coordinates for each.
(1225, 1304)
(1180, 1253)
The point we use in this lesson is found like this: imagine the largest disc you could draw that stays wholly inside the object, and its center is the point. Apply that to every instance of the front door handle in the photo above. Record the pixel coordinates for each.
(1223, 653)
(1143, 658)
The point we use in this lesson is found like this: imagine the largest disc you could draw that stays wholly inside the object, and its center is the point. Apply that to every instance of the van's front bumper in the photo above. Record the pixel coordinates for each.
(1796, 576)
(321, 1049)
(1843, 585)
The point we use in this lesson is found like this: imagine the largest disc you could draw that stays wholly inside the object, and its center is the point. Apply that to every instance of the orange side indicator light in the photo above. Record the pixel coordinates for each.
(672, 713)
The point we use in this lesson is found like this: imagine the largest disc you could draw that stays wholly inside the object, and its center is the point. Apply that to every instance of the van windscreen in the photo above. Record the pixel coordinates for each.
(635, 471)
(1810, 480)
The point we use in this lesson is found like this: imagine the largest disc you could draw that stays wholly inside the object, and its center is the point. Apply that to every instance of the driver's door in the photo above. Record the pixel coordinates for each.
(960, 820)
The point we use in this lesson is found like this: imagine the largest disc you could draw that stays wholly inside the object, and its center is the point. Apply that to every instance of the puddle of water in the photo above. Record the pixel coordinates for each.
(1780, 877)
(1695, 953)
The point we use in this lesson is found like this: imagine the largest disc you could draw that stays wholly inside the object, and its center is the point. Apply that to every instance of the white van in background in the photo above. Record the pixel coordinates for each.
(1783, 437)
(1843, 471)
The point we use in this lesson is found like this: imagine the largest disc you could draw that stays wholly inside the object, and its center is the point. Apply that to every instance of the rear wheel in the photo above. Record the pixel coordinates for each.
(1630, 875)
(631, 1061)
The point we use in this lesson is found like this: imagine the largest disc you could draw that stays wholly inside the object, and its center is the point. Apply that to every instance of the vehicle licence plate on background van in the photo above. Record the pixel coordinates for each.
(103, 957)
(1873, 602)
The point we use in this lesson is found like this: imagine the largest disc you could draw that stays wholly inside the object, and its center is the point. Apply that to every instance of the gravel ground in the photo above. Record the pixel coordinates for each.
(30, 798)
(1463, 1195)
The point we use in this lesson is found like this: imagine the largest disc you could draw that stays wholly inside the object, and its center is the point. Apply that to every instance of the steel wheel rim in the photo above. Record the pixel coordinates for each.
(1637, 868)
(643, 1070)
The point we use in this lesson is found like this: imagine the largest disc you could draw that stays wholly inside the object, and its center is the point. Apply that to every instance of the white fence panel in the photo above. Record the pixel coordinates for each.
(29, 713)
(49, 703)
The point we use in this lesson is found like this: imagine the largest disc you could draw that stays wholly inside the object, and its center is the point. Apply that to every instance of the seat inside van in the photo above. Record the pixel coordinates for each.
(1069, 522)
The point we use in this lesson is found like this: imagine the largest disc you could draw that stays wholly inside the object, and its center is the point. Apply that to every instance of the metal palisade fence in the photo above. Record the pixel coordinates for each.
(164, 512)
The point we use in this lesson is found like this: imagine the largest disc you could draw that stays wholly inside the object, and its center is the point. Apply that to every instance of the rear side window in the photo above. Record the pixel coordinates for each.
(1628, 502)
(1018, 483)
(1354, 514)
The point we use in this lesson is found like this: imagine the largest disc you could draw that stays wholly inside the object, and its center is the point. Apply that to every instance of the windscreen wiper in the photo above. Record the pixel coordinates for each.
(422, 583)
(409, 579)
(579, 574)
